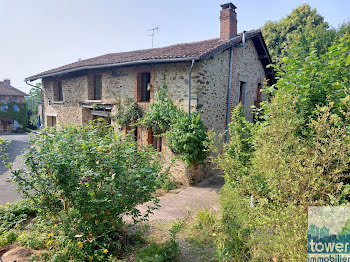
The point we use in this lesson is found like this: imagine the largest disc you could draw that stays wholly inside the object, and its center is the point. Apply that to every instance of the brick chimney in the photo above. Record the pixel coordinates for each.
(228, 21)
(7, 83)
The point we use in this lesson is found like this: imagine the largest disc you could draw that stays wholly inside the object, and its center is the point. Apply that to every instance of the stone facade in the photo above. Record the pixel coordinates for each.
(248, 69)
(208, 94)
(11, 105)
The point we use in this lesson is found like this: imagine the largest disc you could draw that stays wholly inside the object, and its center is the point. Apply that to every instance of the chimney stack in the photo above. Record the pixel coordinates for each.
(228, 21)
(7, 83)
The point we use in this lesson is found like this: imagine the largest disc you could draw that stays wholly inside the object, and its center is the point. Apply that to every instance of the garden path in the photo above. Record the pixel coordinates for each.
(8, 190)
(179, 203)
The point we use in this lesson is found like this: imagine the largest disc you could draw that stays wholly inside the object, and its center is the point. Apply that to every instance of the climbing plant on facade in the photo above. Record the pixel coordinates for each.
(16, 111)
(128, 112)
(186, 135)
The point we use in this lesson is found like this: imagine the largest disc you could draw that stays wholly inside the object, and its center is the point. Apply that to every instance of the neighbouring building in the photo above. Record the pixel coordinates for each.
(212, 76)
(13, 113)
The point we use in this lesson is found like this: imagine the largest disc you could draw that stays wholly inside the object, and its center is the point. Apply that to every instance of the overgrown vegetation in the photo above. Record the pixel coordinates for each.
(186, 135)
(12, 216)
(164, 252)
(297, 157)
(84, 180)
(32, 106)
(305, 25)
(19, 115)
(128, 112)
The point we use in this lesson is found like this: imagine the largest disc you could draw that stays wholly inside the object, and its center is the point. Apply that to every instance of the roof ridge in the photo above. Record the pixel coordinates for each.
(175, 52)
(11, 89)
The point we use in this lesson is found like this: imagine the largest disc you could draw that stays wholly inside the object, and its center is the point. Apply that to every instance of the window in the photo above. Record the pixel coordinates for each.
(242, 90)
(144, 87)
(57, 91)
(258, 96)
(97, 87)
(157, 143)
(94, 87)
(127, 130)
(15, 108)
(155, 140)
(14, 98)
(257, 116)
(51, 121)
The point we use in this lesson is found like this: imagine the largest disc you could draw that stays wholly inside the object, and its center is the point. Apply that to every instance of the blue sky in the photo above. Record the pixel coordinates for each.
(38, 35)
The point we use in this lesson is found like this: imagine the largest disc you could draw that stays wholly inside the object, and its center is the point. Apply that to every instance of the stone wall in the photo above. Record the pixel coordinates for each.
(208, 94)
(247, 68)
(212, 81)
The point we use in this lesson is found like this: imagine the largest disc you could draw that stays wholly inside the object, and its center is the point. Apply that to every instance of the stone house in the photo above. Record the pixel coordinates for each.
(210, 76)
(12, 108)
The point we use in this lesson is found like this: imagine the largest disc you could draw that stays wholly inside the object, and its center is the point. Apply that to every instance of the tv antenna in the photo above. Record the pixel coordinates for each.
(154, 29)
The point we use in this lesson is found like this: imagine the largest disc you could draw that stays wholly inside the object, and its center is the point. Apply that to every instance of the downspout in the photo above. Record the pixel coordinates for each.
(229, 87)
(189, 88)
(32, 85)
(229, 95)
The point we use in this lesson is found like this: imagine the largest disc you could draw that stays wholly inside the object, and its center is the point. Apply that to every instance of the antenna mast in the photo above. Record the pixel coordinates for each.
(153, 30)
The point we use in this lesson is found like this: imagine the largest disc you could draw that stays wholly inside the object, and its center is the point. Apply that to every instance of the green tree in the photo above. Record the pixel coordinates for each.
(32, 105)
(281, 34)
(301, 158)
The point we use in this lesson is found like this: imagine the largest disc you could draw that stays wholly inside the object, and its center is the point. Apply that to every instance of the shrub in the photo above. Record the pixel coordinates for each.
(297, 157)
(188, 138)
(162, 113)
(87, 178)
(186, 135)
(129, 112)
(165, 252)
(13, 214)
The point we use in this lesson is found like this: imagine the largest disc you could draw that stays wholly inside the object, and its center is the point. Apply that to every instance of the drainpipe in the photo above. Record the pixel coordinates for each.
(229, 95)
(243, 38)
(229, 87)
(189, 88)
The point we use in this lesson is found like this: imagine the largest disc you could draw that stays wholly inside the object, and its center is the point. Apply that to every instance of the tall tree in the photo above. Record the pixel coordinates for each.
(281, 34)
(32, 105)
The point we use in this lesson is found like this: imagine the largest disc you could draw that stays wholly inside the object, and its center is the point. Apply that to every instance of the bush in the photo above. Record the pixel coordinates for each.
(165, 252)
(188, 138)
(299, 156)
(13, 214)
(87, 178)
(186, 135)
(162, 113)
(129, 112)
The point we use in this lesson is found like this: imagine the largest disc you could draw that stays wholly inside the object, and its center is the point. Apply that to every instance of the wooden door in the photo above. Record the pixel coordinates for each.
(4, 126)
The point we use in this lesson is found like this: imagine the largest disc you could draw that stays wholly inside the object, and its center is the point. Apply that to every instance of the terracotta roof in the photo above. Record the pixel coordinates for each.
(10, 91)
(179, 52)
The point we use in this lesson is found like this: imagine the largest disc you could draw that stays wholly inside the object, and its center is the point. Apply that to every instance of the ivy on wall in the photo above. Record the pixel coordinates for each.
(128, 112)
(186, 135)
(21, 116)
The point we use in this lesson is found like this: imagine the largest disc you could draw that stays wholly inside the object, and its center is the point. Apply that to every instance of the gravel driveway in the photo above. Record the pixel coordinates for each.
(8, 190)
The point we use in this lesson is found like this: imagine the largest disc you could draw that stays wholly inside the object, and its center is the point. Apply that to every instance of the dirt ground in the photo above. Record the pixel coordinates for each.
(181, 203)
(175, 205)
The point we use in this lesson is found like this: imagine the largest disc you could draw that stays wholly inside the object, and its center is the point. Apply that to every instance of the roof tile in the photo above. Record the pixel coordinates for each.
(194, 50)
(10, 91)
